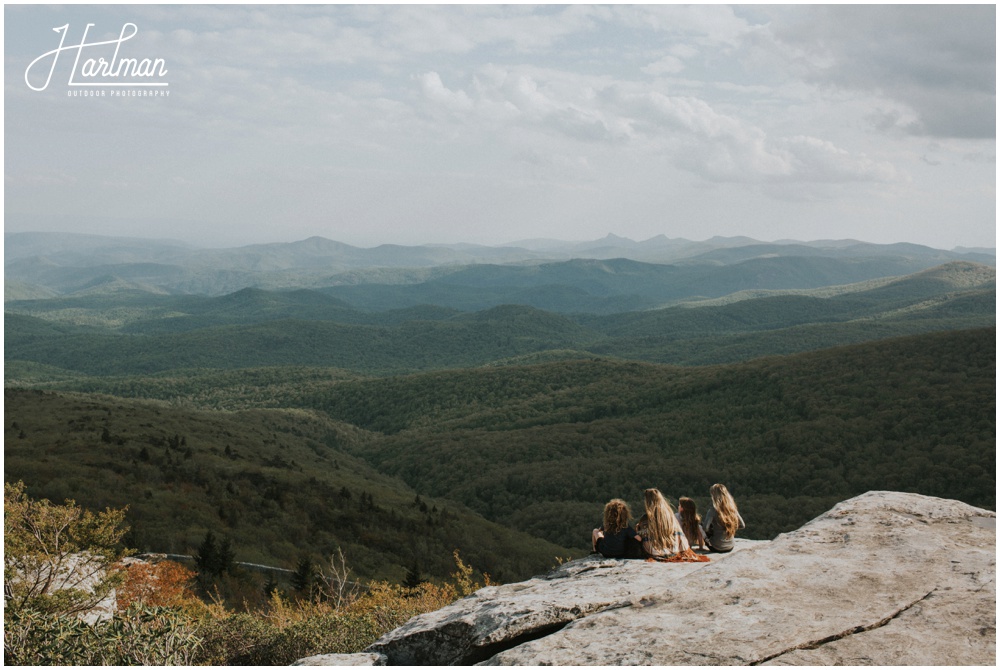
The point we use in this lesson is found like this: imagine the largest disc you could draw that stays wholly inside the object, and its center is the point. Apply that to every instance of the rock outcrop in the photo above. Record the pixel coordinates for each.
(881, 579)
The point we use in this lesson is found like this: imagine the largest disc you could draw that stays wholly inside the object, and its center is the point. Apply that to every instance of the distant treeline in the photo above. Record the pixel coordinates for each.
(537, 448)
(140, 334)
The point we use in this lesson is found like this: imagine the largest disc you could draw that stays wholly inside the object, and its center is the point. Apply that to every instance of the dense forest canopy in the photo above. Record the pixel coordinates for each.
(789, 435)
(400, 413)
(279, 484)
(540, 447)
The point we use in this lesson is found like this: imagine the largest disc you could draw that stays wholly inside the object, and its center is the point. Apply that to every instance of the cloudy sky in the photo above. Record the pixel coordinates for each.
(412, 124)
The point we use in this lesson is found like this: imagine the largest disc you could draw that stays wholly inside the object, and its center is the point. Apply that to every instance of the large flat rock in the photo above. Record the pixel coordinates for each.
(497, 617)
(884, 578)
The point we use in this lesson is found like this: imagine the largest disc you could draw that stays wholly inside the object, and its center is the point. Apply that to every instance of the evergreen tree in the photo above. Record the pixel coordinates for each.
(207, 558)
(271, 586)
(413, 578)
(226, 557)
(305, 578)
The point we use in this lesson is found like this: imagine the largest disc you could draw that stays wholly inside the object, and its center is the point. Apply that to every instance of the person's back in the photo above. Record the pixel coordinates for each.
(616, 538)
(690, 522)
(721, 521)
(662, 536)
(617, 545)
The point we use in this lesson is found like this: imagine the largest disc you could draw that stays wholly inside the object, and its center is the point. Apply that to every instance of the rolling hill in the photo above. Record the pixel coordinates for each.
(65, 264)
(539, 448)
(136, 333)
(277, 483)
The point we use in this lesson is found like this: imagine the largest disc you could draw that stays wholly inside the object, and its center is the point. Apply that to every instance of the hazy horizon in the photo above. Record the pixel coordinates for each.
(540, 241)
(488, 124)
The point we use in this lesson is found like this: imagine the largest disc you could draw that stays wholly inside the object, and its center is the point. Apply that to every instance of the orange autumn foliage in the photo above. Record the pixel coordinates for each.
(163, 584)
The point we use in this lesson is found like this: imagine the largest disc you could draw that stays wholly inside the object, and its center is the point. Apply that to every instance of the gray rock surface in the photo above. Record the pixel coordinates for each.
(884, 578)
(474, 628)
(343, 659)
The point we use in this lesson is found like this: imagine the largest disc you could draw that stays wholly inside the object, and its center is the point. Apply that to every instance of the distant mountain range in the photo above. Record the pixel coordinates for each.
(521, 385)
(138, 332)
(43, 265)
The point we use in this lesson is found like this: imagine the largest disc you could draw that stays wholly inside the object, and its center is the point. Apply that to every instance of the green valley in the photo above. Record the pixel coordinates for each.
(400, 412)
(279, 484)
(121, 336)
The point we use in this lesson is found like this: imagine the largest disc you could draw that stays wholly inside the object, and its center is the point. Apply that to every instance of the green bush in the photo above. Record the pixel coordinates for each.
(137, 636)
(238, 639)
(57, 558)
(291, 630)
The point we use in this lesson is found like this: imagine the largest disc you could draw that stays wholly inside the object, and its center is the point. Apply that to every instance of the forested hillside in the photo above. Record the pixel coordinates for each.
(401, 411)
(278, 484)
(134, 333)
(540, 448)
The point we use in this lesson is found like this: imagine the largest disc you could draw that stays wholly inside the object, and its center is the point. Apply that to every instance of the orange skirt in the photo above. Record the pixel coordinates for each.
(686, 556)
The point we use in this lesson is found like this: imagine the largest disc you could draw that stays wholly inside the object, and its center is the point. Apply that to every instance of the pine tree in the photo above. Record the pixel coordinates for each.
(227, 557)
(413, 578)
(304, 579)
(207, 558)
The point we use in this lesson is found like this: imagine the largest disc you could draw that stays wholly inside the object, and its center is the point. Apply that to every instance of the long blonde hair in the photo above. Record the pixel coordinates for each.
(616, 516)
(690, 519)
(660, 522)
(725, 509)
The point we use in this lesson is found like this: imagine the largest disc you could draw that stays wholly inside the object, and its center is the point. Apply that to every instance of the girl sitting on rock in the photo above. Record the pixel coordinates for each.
(722, 521)
(690, 521)
(662, 537)
(616, 538)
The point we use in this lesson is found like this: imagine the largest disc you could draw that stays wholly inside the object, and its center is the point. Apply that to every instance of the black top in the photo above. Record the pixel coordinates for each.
(616, 545)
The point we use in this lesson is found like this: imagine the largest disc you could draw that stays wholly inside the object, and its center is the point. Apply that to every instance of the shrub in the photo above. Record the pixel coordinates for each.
(136, 636)
(57, 558)
(163, 584)
(291, 630)
(235, 639)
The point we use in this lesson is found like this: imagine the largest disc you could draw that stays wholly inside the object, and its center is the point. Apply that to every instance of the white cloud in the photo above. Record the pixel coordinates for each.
(436, 92)
(938, 60)
(708, 24)
(316, 113)
(668, 64)
(699, 139)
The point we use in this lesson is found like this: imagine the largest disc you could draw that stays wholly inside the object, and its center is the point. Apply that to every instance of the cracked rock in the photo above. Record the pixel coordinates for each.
(881, 579)
(913, 582)
(497, 617)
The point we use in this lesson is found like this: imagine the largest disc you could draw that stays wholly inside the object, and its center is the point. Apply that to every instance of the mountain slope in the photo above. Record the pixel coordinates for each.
(255, 328)
(276, 482)
(542, 448)
(64, 263)
(619, 285)
(940, 284)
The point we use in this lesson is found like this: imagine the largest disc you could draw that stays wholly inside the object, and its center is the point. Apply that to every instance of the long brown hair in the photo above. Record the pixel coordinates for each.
(660, 522)
(690, 519)
(725, 509)
(616, 516)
